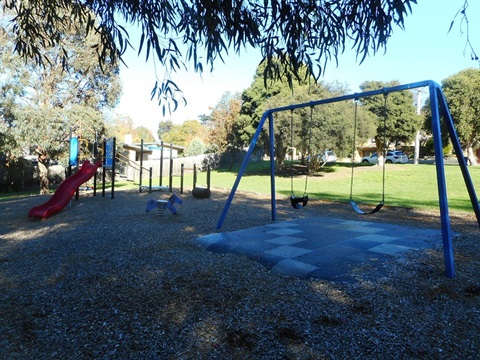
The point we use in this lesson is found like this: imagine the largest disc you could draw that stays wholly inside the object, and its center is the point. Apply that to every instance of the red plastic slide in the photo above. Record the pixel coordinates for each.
(65, 191)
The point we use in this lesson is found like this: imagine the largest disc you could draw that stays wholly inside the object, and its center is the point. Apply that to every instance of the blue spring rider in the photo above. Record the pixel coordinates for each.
(164, 204)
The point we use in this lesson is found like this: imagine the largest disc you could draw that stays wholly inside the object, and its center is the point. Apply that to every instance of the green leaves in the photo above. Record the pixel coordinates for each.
(401, 119)
(41, 103)
(290, 33)
(168, 95)
(463, 98)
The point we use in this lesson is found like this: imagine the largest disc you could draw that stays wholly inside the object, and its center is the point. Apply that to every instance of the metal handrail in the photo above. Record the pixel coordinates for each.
(137, 167)
(131, 163)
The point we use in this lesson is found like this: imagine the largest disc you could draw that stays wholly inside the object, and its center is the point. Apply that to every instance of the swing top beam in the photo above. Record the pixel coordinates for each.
(437, 102)
(353, 96)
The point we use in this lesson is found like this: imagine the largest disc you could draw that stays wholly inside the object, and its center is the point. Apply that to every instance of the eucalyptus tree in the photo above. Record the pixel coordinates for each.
(307, 130)
(463, 96)
(461, 91)
(264, 94)
(225, 128)
(45, 102)
(397, 121)
(182, 134)
(200, 33)
(164, 126)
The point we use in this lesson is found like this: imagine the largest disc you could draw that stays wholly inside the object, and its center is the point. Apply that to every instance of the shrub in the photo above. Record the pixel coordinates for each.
(430, 151)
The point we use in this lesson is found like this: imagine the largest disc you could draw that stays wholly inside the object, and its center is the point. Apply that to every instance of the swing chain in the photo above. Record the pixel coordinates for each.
(385, 115)
(309, 149)
(291, 149)
(385, 146)
(354, 146)
(298, 203)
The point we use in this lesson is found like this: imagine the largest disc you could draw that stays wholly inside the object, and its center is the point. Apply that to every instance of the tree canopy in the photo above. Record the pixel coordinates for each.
(461, 91)
(41, 104)
(184, 133)
(179, 32)
(226, 131)
(396, 110)
(309, 131)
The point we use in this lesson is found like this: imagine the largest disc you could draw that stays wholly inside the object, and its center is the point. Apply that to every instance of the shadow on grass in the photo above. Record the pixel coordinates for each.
(262, 168)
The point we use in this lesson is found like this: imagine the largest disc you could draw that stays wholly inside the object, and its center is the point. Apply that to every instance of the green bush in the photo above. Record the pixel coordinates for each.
(430, 151)
(196, 147)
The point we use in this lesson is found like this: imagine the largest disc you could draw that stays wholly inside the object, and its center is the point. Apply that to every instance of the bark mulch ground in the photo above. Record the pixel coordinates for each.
(105, 279)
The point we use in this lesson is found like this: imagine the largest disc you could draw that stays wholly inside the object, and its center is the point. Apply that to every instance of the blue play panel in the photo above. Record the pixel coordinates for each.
(323, 248)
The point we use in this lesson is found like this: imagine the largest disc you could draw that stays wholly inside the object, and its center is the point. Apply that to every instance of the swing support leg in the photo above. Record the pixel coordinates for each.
(273, 200)
(442, 187)
(244, 165)
(436, 96)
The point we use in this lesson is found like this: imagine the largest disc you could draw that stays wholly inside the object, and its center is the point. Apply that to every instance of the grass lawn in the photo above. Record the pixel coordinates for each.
(410, 186)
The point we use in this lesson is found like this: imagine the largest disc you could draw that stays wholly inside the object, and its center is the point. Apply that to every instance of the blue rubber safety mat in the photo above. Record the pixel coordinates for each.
(323, 248)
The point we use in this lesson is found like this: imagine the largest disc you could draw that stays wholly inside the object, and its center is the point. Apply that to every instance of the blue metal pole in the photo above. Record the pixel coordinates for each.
(433, 87)
(459, 152)
(354, 96)
(272, 167)
(441, 183)
(242, 169)
(269, 113)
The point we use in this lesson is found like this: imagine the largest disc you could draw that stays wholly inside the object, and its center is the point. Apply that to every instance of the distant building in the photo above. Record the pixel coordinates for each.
(151, 151)
(368, 148)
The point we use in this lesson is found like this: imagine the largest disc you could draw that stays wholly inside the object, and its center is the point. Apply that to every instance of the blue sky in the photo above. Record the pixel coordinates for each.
(423, 51)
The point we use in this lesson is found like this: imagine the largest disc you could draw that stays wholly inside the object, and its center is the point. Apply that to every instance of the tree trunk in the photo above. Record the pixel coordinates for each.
(380, 152)
(43, 172)
(232, 161)
(280, 153)
(472, 160)
(356, 156)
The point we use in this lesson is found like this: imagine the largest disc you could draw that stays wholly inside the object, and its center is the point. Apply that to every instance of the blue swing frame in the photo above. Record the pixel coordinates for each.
(438, 106)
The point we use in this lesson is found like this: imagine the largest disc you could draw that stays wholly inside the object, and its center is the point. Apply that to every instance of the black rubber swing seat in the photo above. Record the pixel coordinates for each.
(353, 204)
(300, 202)
(200, 192)
(357, 209)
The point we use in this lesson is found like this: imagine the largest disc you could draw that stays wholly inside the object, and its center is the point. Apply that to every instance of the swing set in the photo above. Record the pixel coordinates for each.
(300, 202)
(439, 108)
(353, 204)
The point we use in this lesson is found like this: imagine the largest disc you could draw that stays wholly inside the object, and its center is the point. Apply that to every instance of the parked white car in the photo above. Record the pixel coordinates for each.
(329, 157)
(393, 157)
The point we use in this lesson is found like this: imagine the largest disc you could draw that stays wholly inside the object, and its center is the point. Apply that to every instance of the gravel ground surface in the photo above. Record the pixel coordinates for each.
(104, 279)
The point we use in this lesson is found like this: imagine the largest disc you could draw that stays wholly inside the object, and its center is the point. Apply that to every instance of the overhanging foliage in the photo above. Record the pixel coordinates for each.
(297, 32)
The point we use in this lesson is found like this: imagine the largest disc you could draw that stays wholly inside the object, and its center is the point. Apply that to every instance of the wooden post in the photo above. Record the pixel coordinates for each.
(161, 163)
(150, 180)
(194, 175)
(170, 177)
(114, 156)
(181, 177)
(141, 165)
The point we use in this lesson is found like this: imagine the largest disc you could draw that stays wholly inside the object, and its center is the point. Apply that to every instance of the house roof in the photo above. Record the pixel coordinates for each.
(150, 147)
